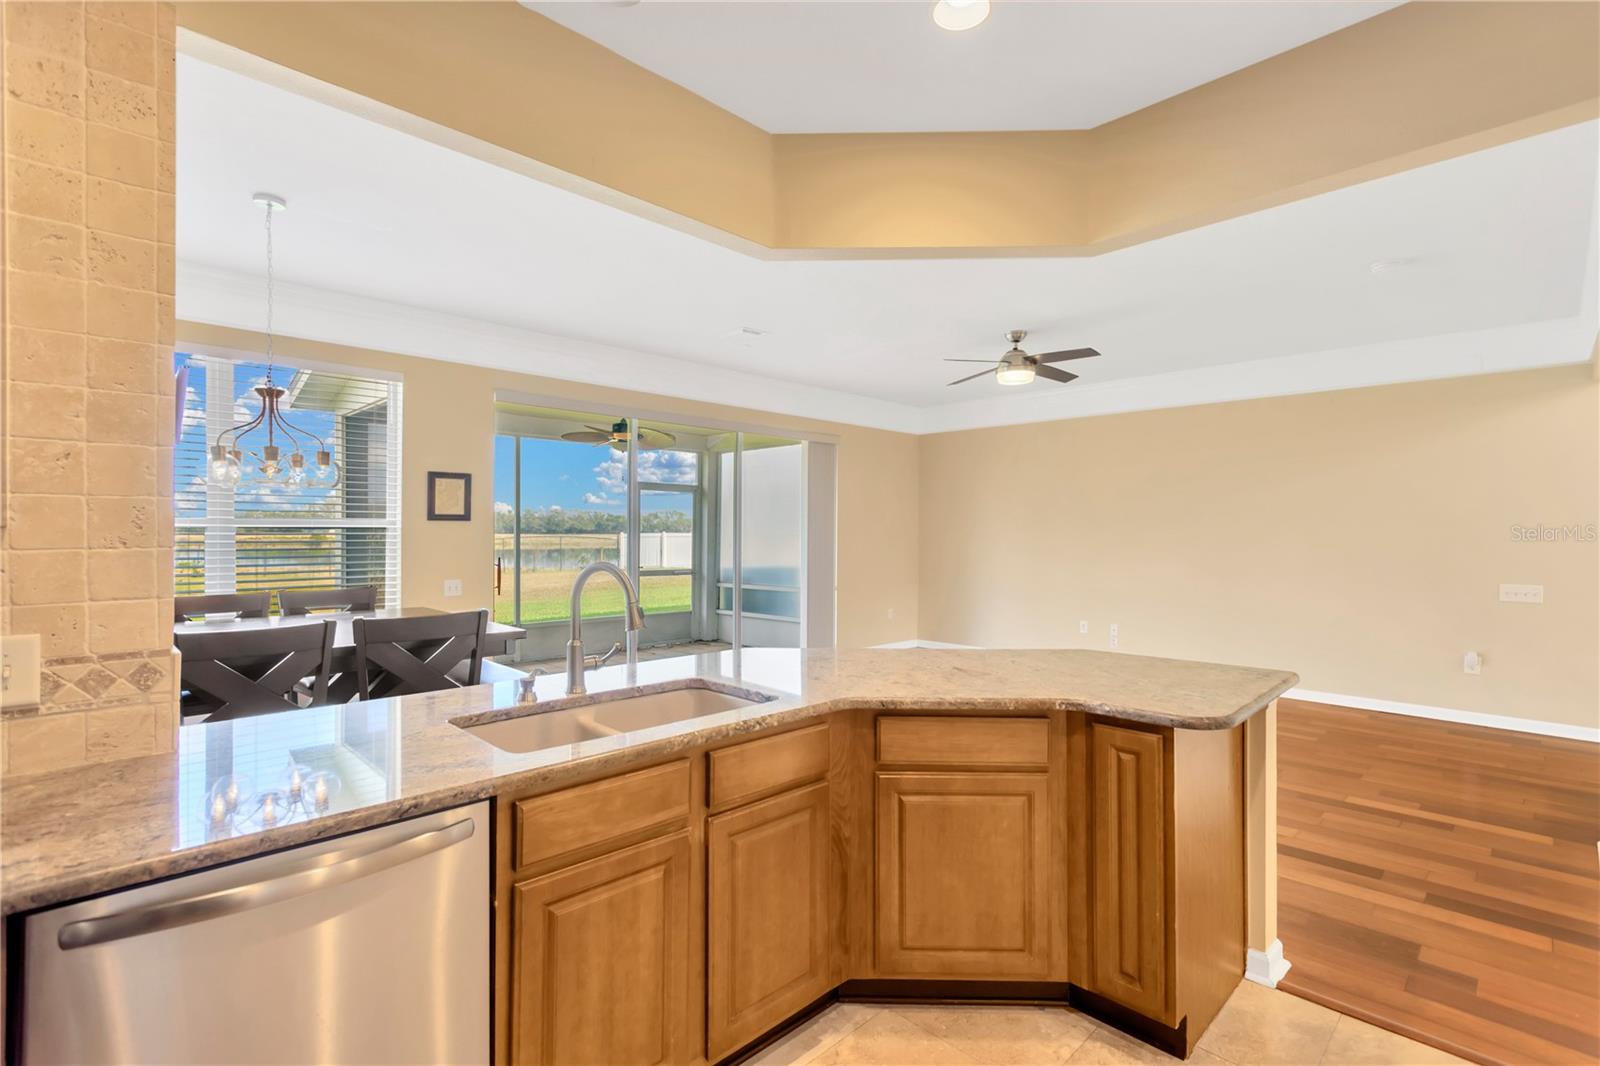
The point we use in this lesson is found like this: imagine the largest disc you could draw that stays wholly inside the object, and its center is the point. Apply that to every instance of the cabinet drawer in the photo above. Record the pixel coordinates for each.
(760, 767)
(939, 741)
(602, 812)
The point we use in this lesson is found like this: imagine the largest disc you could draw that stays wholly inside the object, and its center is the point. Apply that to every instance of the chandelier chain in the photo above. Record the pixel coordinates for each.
(269, 210)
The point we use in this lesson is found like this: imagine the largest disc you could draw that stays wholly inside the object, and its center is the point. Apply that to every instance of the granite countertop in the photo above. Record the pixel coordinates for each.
(91, 829)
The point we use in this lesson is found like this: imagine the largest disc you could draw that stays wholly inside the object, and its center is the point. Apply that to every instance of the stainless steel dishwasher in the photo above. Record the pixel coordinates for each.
(366, 948)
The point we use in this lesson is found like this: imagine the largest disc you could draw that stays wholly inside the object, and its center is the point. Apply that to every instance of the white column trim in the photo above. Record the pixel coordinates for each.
(1266, 967)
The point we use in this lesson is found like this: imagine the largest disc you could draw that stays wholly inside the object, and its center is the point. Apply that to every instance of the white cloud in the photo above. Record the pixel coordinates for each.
(612, 476)
(502, 507)
(193, 409)
(597, 500)
(663, 467)
(673, 468)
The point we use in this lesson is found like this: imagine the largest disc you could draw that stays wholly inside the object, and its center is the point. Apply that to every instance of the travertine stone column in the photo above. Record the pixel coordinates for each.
(88, 406)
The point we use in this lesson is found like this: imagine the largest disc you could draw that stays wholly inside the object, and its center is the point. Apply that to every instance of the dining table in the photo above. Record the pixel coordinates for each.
(498, 637)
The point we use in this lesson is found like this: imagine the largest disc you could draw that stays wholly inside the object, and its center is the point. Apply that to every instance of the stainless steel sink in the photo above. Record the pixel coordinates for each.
(553, 724)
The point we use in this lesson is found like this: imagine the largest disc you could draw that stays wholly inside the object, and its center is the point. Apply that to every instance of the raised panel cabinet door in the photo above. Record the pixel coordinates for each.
(963, 883)
(1128, 895)
(767, 930)
(600, 952)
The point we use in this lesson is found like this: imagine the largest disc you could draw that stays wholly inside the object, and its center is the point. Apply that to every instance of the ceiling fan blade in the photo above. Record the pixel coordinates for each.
(580, 437)
(655, 438)
(1050, 373)
(970, 377)
(989, 361)
(1070, 353)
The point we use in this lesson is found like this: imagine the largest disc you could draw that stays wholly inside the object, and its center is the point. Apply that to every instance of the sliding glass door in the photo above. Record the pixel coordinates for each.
(709, 523)
(761, 522)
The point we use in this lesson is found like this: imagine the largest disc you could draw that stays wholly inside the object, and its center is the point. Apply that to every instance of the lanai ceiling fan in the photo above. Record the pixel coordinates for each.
(617, 436)
(1017, 367)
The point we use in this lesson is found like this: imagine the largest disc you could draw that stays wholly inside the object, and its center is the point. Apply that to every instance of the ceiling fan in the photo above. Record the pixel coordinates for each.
(617, 436)
(1017, 367)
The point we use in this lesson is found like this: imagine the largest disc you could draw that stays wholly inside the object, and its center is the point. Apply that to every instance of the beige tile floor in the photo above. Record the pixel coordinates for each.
(1258, 1027)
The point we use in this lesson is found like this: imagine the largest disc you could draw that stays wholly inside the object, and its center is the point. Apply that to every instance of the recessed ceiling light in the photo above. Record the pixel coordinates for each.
(960, 14)
(1389, 266)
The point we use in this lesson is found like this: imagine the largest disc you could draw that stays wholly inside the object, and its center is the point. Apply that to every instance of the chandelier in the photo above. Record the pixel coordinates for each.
(253, 450)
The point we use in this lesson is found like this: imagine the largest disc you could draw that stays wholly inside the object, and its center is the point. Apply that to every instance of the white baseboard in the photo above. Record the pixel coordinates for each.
(1266, 967)
(1450, 714)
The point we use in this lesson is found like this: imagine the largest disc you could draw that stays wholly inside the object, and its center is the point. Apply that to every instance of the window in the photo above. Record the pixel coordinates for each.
(265, 537)
(562, 500)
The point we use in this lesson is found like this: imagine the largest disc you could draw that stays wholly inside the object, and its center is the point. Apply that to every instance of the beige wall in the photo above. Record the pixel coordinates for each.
(1356, 537)
(87, 549)
(449, 425)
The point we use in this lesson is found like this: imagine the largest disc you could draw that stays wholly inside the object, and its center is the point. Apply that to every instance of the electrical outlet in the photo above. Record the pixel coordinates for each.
(1113, 634)
(19, 671)
(891, 614)
(1521, 593)
(1472, 663)
(1083, 627)
(452, 586)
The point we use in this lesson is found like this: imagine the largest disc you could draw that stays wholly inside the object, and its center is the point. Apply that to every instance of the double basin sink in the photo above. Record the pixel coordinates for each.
(535, 727)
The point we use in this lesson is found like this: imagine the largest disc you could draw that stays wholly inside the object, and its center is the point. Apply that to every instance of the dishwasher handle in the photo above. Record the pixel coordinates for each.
(322, 871)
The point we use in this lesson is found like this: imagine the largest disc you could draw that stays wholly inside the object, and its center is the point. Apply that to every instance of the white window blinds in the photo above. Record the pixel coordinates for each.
(262, 537)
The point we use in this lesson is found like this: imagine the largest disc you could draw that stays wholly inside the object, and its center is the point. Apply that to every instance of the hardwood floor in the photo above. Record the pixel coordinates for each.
(1442, 880)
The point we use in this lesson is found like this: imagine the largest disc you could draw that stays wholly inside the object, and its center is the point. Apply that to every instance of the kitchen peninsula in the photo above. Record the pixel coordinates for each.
(1069, 825)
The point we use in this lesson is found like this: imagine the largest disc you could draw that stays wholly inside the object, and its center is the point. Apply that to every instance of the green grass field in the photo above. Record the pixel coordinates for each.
(545, 596)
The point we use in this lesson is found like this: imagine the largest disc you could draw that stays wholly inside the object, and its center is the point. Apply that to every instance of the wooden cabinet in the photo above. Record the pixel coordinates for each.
(757, 768)
(949, 741)
(562, 827)
(678, 912)
(768, 917)
(1128, 888)
(600, 957)
(963, 874)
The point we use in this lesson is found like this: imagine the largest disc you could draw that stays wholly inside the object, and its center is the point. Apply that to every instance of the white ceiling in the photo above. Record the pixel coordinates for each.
(885, 67)
(504, 269)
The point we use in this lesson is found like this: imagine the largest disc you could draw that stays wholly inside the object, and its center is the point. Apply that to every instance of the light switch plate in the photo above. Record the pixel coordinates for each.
(19, 671)
(1521, 593)
(452, 587)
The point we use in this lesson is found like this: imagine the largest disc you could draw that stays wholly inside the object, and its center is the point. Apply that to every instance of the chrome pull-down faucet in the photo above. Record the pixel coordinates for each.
(632, 613)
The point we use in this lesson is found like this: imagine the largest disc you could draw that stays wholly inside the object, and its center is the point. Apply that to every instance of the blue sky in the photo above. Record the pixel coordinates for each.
(582, 477)
(191, 455)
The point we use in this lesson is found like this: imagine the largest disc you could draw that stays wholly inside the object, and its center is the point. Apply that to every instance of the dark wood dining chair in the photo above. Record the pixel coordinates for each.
(243, 604)
(255, 671)
(400, 656)
(304, 601)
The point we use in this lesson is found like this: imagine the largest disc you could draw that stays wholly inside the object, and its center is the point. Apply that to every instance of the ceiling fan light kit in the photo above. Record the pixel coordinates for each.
(1017, 367)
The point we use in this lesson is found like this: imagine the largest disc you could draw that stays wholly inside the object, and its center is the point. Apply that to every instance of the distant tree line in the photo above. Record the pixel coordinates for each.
(550, 521)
